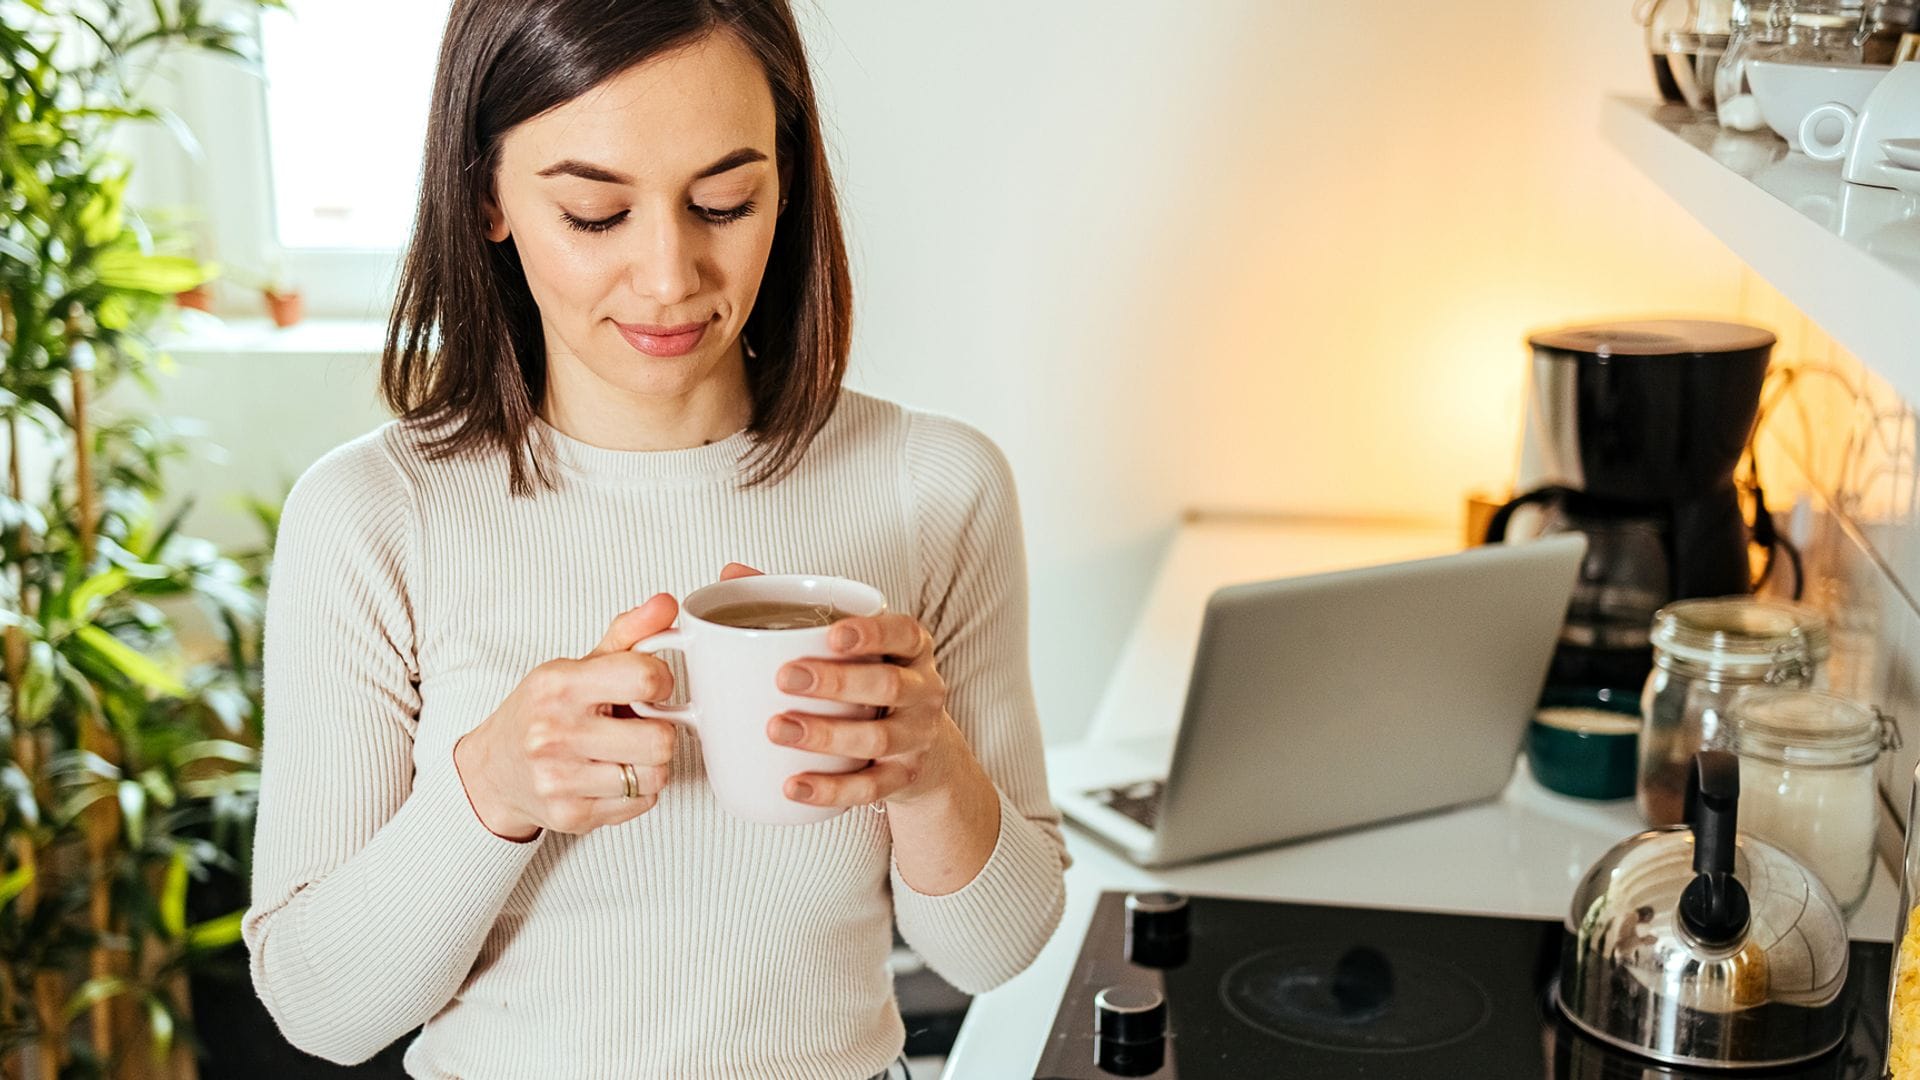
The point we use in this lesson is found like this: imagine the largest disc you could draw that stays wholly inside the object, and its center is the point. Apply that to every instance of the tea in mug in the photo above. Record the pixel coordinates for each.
(774, 615)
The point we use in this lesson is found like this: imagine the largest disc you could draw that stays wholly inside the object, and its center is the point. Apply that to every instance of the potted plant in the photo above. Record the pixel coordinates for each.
(281, 293)
(127, 762)
(284, 303)
(198, 297)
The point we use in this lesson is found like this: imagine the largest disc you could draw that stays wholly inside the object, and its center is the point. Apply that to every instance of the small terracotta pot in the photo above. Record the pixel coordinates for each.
(285, 308)
(199, 298)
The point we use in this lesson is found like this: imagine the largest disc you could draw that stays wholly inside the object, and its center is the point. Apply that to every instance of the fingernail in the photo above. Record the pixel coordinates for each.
(795, 679)
(802, 790)
(786, 731)
(843, 637)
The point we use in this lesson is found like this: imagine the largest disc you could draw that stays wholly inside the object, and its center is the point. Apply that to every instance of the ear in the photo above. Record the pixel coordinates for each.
(786, 185)
(496, 221)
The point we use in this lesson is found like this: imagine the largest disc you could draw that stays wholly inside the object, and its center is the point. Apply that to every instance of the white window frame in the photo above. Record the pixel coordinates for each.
(231, 186)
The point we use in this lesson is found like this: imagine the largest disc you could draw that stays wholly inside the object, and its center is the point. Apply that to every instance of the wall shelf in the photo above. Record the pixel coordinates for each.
(1846, 255)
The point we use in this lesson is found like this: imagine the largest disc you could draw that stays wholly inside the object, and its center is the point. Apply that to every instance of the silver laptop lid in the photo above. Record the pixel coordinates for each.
(1337, 700)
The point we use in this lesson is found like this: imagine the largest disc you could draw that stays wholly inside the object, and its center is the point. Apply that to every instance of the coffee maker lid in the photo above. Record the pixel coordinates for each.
(1660, 337)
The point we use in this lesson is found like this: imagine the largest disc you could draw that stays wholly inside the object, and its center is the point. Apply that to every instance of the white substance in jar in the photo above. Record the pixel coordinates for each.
(1823, 816)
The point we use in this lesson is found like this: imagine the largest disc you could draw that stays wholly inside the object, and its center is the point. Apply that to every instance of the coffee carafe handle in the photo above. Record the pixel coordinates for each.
(1714, 908)
(1497, 524)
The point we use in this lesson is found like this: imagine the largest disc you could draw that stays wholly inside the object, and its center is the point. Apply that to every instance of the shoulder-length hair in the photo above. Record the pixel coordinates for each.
(464, 351)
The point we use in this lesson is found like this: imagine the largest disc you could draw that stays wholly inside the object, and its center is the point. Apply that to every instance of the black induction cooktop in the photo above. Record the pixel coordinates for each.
(1211, 988)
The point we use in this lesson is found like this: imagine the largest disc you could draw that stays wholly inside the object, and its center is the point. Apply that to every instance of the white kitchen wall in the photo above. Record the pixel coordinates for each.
(1248, 253)
(1837, 452)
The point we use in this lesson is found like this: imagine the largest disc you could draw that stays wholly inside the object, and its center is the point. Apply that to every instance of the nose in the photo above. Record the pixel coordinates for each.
(666, 266)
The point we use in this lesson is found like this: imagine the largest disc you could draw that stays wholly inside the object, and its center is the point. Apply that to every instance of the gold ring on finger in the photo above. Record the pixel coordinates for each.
(629, 780)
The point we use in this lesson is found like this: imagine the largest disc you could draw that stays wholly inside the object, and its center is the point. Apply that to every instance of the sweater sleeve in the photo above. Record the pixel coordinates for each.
(374, 885)
(974, 603)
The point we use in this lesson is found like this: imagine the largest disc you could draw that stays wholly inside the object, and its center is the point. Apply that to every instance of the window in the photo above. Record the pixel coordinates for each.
(348, 82)
(311, 173)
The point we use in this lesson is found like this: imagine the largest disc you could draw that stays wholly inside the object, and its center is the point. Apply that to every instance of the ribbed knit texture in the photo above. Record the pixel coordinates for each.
(410, 597)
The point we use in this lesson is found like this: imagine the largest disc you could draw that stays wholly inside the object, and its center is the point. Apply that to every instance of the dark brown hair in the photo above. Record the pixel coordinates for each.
(464, 348)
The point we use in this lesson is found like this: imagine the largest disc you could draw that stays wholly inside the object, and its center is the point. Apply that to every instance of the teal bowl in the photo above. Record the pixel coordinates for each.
(1585, 741)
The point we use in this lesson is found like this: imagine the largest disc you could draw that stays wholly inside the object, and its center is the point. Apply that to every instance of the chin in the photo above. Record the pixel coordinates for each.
(657, 376)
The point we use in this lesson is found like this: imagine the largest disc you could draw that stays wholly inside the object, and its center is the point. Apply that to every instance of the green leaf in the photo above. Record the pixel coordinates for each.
(100, 218)
(94, 991)
(84, 761)
(133, 807)
(17, 251)
(39, 686)
(130, 662)
(86, 598)
(78, 803)
(162, 275)
(14, 884)
(159, 788)
(19, 789)
(160, 1019)
(216, 933)
(221, 749)
(113, 313)
(173, 896)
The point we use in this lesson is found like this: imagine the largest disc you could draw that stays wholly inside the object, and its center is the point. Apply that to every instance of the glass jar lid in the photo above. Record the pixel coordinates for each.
(1807, 727)
(1818, 21)
(1741, 631)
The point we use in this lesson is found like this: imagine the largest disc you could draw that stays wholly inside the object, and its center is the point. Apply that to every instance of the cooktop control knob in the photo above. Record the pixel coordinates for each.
(1129, 1030)
(1156, 929)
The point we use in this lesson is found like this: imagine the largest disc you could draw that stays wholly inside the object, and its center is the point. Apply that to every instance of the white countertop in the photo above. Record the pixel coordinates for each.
(1521, 854)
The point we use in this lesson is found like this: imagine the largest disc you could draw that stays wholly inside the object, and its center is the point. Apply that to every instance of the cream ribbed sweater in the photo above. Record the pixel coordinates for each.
(409, 597)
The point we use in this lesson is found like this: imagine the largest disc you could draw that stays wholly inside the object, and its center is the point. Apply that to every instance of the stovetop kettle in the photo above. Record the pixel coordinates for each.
(1693, 945)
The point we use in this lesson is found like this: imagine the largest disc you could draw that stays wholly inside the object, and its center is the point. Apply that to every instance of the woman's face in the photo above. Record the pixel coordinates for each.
(647, 203)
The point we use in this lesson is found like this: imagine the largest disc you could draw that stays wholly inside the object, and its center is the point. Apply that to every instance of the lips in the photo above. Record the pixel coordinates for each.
(656, 340)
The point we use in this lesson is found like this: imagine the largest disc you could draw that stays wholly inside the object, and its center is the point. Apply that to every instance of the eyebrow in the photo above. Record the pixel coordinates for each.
(586, 170)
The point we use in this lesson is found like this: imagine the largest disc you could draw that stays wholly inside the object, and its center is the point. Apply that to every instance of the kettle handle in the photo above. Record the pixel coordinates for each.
(1714, 908)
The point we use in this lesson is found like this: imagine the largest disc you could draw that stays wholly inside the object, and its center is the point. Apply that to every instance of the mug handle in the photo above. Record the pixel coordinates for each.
(1810, 124)
(679, 714)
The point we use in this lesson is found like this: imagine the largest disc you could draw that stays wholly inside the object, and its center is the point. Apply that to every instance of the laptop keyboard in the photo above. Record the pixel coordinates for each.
(1138, 801)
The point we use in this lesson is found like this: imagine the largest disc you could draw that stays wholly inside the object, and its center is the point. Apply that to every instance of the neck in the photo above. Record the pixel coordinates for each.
(582, 405)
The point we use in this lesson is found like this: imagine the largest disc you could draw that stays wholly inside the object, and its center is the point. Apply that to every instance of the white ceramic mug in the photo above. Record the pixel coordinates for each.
(731, 694)
(1833, 113)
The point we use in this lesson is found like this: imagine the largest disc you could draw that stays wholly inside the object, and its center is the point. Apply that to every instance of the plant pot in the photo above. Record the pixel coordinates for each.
(286, 308)
(200, 298)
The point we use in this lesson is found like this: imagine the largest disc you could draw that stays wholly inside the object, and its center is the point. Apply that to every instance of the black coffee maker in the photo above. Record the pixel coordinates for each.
(1634, 431)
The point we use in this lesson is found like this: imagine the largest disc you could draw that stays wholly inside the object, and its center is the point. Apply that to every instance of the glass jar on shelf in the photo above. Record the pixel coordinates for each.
(1754, 26)
(1705, 651)
(1807, 779)
(1686, 39)
(1887, 22)
(1820, 32)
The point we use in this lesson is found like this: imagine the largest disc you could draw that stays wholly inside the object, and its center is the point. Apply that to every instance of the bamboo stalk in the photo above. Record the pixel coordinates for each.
(46, 984)
(100, 823)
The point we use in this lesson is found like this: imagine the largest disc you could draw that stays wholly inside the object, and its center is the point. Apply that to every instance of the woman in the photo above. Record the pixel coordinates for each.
(616, 357)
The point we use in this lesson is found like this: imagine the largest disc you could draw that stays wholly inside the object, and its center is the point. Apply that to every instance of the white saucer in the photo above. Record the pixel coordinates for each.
(1902, 152)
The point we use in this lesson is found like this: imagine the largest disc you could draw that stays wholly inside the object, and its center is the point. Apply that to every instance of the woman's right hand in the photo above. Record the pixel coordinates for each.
(549, 757)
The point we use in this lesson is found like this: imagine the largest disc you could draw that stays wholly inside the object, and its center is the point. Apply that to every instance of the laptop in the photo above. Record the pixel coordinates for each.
(1323, 703)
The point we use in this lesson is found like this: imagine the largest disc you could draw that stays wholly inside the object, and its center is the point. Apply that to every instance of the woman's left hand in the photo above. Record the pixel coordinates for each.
(914, 746)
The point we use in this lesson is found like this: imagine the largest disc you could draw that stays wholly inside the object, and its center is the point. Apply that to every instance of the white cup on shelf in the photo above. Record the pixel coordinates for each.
(1827, 133)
